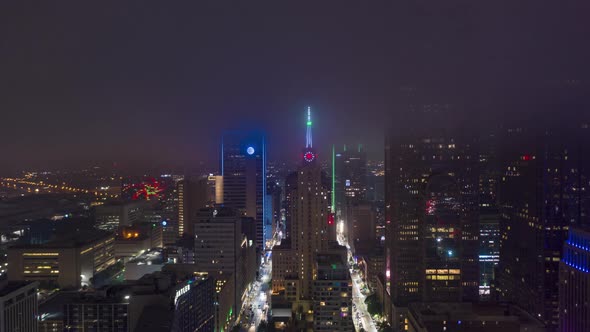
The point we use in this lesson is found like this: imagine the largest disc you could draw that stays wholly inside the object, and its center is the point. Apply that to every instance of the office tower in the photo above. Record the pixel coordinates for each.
(375, 181)
(543, 191)
(215, 185)
(349, 181)
(284, 272)
(18, 306)
(489, 249)
(243, 168)
(275, 204)
(361, 234)
(193, 306)
(310, 209)
(311, 231)
(489, 213)
(225, 245)
(193, 194)
(332, 295)
(69, 261)
(431, 220)
(574, 282)
(350, 170)
(290, 200)
(225, 314)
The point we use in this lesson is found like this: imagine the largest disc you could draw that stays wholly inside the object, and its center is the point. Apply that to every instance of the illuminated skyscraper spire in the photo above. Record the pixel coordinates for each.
(309, 143)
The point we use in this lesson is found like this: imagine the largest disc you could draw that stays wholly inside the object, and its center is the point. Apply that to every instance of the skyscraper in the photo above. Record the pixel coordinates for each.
(350, 173)
(574, 282)
(489, 214)
(431, 220)
(243, 168)
(193, 194)
(543, 191)
(361, 230)
(310, 210)
(349, 182)
(224, 247)
(311, 229)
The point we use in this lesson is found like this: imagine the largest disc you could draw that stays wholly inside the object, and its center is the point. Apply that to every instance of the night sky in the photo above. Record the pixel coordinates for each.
(156, 82)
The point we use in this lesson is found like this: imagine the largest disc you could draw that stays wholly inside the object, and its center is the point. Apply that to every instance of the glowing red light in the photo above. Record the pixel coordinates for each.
(527, 157)
(330, 219)
(146, 189)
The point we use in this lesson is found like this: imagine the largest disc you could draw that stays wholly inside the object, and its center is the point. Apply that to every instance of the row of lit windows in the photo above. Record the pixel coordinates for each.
(443, 277)
(443, 271)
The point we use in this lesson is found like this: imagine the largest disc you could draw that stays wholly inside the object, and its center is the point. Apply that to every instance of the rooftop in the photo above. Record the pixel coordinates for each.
(11, 286)
(150, 257)
(73, 239)
(468, 311)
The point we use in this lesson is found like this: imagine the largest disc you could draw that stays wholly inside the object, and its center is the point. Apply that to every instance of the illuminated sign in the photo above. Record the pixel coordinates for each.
(181, 292)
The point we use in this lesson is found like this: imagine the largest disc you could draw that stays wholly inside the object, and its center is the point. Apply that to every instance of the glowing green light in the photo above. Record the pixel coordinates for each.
(333, 179)
(309, 123)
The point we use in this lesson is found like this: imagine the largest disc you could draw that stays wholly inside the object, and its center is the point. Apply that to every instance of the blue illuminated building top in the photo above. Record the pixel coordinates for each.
(576, 250)
(243, 167)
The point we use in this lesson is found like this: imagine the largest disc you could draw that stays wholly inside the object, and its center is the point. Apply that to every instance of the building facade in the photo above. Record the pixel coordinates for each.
(67, 262)
(349, 180)
(574, 282)
(18, 306)
(243, 168)
(332, 295)
(431, 220)
(225, 244)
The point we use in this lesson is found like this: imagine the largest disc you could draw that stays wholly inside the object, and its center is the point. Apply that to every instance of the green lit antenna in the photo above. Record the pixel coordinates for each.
(333, 179)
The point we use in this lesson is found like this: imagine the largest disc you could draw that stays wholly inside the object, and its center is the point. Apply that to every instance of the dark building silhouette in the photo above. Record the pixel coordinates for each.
(431, 221)
(543, 191)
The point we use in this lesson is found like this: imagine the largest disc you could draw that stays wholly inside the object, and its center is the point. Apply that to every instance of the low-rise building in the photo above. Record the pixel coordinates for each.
(159, 302)
(69, 261)
(132, 240)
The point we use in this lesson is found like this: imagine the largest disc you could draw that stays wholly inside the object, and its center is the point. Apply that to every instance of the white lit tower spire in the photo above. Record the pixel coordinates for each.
(309, 142)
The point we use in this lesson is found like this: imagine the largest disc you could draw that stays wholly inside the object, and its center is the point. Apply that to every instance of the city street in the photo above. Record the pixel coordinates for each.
(361, 317)
(255, 307)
